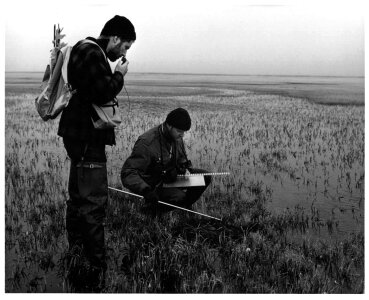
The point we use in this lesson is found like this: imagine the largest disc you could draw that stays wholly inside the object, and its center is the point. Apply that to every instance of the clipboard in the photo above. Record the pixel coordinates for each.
(186, 181)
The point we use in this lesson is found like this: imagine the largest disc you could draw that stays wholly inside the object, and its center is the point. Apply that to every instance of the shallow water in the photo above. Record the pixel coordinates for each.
(326, 184)
(323, 176)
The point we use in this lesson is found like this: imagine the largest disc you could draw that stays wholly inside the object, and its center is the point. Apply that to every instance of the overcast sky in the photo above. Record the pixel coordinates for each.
(222, 37)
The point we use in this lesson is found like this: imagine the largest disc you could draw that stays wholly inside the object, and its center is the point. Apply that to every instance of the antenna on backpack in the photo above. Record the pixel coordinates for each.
(54, 35)
(57, 35)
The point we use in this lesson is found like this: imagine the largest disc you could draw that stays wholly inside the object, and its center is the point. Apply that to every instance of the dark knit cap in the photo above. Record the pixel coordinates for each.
(179, 118)
(119, 26)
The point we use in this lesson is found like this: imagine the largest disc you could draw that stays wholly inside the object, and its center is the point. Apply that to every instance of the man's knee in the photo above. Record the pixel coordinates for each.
(207, 180)
(172, 195)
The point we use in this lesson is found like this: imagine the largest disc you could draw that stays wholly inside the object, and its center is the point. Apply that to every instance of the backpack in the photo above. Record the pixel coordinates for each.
(56, 91)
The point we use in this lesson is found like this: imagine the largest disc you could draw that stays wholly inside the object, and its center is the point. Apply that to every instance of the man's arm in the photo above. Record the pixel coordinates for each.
(134, 167)
(100, 83)
(183, 163)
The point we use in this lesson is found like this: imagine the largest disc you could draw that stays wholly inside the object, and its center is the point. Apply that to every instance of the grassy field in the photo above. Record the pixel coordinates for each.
(264, 137)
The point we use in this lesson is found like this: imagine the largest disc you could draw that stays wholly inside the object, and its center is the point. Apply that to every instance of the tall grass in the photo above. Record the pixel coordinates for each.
(262, 140)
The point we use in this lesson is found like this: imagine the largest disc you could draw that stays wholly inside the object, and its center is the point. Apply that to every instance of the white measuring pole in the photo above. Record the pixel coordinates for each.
(168, 204)
(204, 174)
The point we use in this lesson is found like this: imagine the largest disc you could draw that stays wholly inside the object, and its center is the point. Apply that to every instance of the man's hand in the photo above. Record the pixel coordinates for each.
(184, 167)
(151, 197)
(122, 68)
(170, 175)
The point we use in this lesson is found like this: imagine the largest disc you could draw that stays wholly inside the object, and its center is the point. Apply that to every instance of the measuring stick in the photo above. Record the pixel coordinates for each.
(161, 202)
(204, 174)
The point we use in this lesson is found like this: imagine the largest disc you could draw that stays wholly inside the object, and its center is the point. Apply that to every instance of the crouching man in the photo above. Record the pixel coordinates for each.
(157, 158)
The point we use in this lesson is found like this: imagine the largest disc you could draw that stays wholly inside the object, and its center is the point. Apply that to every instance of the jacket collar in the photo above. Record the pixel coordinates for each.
(164, 130)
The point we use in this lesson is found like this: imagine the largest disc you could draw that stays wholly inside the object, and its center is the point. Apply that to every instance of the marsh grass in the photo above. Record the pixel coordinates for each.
(253, 250)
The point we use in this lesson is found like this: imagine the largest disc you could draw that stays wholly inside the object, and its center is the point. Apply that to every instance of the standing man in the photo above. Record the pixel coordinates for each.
(157, 157)
(90, 74)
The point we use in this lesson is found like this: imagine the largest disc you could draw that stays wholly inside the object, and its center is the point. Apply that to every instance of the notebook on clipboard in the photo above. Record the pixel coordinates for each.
(186, 181)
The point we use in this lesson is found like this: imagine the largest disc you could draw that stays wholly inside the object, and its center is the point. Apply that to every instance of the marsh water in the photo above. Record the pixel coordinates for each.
(336, 195)
(327, 186)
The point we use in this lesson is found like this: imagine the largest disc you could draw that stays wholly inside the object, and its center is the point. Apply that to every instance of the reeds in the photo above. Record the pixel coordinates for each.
(273, 146)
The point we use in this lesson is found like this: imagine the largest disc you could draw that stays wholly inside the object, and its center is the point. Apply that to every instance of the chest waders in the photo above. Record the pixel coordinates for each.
(88, 191)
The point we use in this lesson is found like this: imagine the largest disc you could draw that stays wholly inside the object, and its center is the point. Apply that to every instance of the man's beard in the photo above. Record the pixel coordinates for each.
(112, 57)
(112, 54)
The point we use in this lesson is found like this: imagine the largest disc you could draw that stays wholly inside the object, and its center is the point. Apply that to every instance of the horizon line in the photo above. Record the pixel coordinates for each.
(221, 74)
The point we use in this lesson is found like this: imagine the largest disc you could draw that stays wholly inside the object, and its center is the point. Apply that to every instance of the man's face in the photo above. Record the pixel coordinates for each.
(117, 48)
(176, 133)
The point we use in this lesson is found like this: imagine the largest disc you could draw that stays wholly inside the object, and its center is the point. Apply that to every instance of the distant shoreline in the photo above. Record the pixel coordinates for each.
(217, 74)
(328, 90)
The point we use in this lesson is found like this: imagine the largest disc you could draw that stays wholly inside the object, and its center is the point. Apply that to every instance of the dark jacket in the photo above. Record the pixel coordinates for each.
(150, 156)
(90, 74)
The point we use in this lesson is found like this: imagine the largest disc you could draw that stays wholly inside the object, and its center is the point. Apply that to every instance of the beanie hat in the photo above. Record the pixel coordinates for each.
(179, 118)
(119, 26)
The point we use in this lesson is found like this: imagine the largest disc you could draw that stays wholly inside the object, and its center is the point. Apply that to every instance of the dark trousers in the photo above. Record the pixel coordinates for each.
(88, 191)
(183, 197)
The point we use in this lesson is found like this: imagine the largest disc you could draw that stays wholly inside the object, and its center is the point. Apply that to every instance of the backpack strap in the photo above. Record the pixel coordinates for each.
(65, 51)
(85, 41)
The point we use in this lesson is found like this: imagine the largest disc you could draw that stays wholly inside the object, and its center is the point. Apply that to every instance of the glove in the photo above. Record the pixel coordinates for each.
(184, 166)
(170, 175)
(151, 197)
